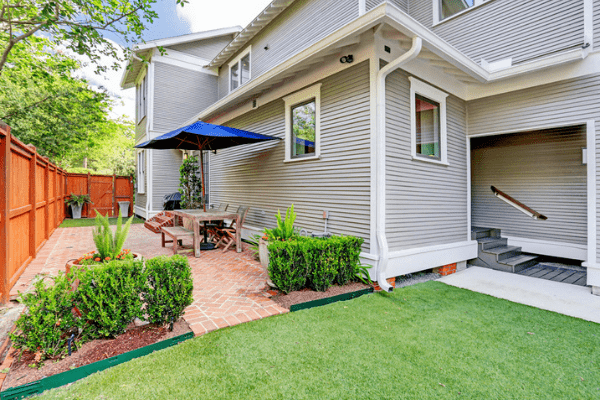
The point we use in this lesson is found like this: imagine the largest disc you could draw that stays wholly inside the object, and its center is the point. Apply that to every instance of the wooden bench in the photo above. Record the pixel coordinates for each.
(176, 233)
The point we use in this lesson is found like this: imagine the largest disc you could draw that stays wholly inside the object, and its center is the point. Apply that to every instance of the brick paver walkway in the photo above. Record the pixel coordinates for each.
(229, 288)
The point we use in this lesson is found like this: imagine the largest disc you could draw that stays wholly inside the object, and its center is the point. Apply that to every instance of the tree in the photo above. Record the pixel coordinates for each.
(77, 24)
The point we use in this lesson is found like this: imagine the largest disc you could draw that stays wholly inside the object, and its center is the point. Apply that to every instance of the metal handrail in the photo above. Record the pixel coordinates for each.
(517, 204)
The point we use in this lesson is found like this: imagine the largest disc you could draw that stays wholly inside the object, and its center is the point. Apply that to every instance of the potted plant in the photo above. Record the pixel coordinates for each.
(109, 246)
(76, 201)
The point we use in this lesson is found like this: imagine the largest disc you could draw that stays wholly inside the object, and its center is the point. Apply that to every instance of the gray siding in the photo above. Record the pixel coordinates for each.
(165, 175)
(401, 4)
(541, 169)
(179, 94)
(302, 24)
(207, 49)
(507, 28)
(596, 24)
(256, 175)
(558, 104)
(140, 129)
(426, 202)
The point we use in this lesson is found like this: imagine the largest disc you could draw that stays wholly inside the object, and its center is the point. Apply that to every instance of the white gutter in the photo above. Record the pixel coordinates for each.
(380, 138)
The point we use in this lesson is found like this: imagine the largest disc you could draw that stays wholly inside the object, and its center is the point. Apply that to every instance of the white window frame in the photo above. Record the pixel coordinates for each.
(423, 89)
(437, 10)
(142, 98)
(312, 92)
(141, 172)
(238, 61)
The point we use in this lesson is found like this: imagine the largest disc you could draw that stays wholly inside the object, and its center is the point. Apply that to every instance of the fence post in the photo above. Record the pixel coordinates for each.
(89, 192)
(114, 201)
(47, 199)
(4, 215)
(33, 201)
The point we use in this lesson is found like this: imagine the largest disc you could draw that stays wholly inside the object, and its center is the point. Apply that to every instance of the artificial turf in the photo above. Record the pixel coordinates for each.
(428, 341)
(76, 223)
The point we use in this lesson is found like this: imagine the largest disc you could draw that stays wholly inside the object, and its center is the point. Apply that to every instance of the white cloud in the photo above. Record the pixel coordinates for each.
(204, 15)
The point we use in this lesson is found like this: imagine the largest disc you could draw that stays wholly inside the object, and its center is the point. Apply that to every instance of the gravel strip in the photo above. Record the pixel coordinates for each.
(412, 279)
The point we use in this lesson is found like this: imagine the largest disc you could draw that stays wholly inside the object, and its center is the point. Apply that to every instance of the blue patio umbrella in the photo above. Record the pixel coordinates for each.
(204, 136)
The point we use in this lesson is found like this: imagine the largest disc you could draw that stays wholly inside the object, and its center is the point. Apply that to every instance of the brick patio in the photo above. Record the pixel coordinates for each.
(229, 288)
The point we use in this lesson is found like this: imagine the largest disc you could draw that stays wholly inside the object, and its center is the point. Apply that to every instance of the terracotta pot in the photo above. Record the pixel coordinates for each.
(72, 262)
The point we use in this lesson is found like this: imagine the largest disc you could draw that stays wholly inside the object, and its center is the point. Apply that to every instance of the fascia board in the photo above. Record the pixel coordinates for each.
(546, 62)
(189, 38)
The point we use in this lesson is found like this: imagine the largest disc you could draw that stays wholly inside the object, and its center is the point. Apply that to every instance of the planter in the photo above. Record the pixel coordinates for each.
(76, 210)
(72, 263)
(124, 208)
(263, 255)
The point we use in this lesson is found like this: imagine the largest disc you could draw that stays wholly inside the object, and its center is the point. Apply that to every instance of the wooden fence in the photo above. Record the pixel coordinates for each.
(32, 193)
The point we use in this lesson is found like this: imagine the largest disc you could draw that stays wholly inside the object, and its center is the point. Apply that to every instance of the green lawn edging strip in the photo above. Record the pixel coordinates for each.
(329, 300)
(67, 377)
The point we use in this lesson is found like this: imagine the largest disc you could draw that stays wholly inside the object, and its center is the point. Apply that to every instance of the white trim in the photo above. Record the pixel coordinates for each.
(374, 65)
(291, 100)
(529, 129)
(237, 60)
(149, 176)
(588, 23)
(437, 14)
(184, 57)
(362, 7)
(182, 64)
(592, 202)
(423, 89)
(549, 248)
(418, 259)
(141, 171)
(192, 37)
(137, 210)
(150, 97)
(469, 222)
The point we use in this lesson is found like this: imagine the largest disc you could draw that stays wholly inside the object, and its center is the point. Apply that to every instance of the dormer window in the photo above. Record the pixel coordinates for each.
(239, 70)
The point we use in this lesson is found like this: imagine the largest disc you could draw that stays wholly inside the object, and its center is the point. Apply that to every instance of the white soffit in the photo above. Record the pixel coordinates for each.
(264, 18)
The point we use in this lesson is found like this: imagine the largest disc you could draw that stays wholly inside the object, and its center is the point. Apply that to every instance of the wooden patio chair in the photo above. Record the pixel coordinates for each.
(227, 235)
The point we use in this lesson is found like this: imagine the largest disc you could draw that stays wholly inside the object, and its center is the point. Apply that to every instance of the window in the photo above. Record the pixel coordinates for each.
(302, 131)
(141, 172)
(141, 95)
(428, 122)
(448, 8)
(239, 70)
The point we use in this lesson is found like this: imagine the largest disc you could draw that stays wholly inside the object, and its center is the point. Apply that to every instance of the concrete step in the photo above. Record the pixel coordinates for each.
(504, 252)
(491, 242)
(520, 262)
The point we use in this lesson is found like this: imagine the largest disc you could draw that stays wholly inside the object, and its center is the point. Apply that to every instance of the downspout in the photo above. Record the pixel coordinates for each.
(380, 139)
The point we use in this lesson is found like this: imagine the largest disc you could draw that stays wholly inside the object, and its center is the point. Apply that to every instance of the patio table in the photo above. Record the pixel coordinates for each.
(198, 216)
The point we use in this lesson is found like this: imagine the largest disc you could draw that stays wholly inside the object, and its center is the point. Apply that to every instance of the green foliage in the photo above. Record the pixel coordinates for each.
(79, 25)
(109, 296)
(315, 262)
(285, 228)
(169, 289)
(48, 322)
(287, 266)
(78, 199)
(108, 245)
(190, 184)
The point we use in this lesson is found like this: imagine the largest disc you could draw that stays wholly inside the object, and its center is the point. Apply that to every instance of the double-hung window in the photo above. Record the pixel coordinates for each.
(141, 172)
(302, 124)
(239, 70)
(447, 8)
(141, 95)
(428, 122)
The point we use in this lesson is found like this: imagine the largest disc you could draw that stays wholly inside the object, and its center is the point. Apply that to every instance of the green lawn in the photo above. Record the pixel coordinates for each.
(75, 223)
(428, 341)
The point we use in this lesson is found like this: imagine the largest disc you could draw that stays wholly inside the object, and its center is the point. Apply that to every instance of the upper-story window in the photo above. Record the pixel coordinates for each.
(239, 70)
(448, 8)
(141, 95)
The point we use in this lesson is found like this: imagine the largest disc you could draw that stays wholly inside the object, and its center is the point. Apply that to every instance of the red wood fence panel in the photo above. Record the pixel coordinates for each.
(32, 194)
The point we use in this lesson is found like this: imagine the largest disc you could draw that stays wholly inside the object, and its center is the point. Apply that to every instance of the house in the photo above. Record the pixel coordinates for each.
(398, 116)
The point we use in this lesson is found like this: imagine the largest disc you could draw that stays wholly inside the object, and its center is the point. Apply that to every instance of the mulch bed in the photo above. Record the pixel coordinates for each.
(304, 295)
(21, 373)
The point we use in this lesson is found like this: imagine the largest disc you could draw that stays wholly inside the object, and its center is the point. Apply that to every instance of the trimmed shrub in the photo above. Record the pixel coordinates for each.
(169, 288)
(314, 262)
(109, 296)
(48, 322)
(287, 266)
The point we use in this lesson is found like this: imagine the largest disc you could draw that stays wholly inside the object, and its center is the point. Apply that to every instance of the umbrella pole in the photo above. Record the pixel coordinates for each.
(202, 172)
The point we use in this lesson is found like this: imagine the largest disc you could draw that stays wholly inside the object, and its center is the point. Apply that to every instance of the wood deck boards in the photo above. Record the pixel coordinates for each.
(556, 274)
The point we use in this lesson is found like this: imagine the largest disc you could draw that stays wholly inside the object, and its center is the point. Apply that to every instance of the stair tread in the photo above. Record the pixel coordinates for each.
(480, 229)
(501, 249)
(518, 259)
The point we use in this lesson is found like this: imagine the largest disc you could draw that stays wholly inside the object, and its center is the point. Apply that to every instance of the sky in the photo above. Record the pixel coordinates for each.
(195, 16)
